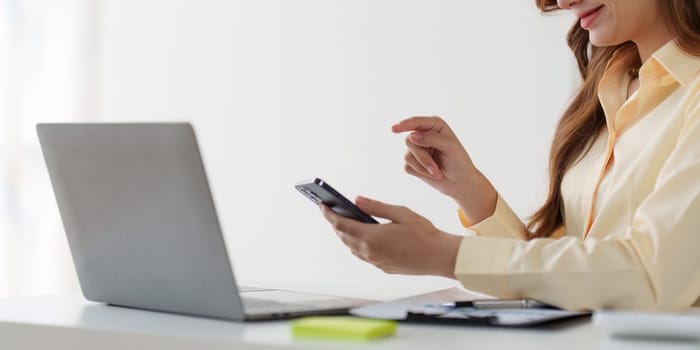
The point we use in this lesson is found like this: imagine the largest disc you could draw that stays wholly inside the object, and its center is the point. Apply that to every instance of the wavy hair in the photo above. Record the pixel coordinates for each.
(583, 120)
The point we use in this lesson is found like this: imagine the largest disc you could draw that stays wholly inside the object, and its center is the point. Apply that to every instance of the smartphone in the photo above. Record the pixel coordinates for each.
(319, 191)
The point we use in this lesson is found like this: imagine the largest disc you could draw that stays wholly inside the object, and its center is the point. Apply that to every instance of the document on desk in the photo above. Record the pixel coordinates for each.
(398, 309)
(431, 308)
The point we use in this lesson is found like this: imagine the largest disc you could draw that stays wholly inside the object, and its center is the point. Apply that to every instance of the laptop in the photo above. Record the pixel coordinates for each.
(142, 228)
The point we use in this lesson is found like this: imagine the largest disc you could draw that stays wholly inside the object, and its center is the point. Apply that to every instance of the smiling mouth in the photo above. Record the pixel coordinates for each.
(587, 18)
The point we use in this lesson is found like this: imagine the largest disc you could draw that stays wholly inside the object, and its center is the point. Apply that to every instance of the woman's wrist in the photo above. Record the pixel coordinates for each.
(446, 255)
(478, 200)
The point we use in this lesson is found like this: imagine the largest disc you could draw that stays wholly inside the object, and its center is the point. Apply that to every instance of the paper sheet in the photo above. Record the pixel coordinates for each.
(398, 309)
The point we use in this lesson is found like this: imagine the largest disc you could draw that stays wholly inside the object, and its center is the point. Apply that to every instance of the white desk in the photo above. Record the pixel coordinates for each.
(70, 322)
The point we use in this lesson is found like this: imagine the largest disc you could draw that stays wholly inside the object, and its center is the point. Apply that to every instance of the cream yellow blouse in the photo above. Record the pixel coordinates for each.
(631, 206)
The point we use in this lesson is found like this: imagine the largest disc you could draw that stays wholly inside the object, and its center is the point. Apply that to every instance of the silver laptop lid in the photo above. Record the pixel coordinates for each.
(139, 217)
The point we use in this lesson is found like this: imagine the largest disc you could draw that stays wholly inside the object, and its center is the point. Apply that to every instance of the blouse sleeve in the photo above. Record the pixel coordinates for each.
(654, 265)
(504, 223)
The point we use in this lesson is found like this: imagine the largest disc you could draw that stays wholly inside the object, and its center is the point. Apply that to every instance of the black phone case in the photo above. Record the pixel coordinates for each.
(318, 191)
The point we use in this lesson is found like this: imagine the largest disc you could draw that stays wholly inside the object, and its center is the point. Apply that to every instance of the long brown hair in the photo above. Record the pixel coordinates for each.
(584, 119)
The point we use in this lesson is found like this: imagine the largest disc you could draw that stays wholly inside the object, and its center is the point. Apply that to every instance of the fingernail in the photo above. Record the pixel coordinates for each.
(417, 137)
(431, 170)
(361, 200)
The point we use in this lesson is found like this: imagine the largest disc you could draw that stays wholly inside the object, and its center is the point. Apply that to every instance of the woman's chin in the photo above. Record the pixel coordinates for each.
(601, 39)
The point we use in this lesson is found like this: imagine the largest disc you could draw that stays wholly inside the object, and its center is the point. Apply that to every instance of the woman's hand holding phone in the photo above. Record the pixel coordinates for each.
(407, 244)
(436, 156)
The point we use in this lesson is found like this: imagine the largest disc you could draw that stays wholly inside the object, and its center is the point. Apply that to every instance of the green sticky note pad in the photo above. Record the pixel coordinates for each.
(342, 328)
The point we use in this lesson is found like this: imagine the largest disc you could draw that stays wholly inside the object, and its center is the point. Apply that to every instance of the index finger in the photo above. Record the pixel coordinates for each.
(419, 124)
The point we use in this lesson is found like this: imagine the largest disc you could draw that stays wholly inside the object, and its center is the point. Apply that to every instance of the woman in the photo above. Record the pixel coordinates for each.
(620, 227)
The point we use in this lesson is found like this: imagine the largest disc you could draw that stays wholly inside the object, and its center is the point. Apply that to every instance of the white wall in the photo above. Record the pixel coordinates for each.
(283, 90)
(47, 74)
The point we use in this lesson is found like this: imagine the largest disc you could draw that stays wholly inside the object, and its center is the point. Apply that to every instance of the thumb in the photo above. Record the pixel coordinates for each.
(394, 213)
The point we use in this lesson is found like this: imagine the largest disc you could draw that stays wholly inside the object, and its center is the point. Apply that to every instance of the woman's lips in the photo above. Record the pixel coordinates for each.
(587, 18)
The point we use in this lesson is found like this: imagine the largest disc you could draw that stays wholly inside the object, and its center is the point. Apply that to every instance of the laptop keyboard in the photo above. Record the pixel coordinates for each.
(255, 305)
